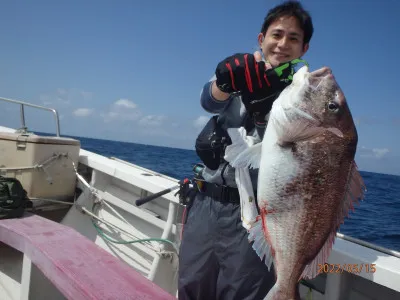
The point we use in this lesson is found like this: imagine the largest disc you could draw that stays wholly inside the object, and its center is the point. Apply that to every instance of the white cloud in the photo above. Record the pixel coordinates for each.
(110, 115)
(152, 120)
(120, 116)
(122, 110)
(377, 153)
(65, 97)
(82, 112)
(200, 122)
(125, 103)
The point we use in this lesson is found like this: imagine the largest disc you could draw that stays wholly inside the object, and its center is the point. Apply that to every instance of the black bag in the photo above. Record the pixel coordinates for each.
(13, 198)
(211, 142)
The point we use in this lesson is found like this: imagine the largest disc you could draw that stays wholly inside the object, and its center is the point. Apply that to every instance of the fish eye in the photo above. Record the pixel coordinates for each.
(332, 106)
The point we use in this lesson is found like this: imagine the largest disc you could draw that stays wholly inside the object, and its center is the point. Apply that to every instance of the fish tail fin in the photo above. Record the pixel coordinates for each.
(260, 245)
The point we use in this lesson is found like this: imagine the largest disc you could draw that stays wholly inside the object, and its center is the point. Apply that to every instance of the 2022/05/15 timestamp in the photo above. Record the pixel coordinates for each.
(350, 268)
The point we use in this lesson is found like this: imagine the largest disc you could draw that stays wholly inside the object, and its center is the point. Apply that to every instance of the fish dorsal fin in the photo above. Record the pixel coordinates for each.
(355, 190)
(243, 152)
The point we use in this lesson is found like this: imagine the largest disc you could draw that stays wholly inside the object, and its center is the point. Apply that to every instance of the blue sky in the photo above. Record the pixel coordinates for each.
(133, 71)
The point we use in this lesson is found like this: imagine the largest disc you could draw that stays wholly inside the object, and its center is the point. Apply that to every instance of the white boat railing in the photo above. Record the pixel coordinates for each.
(368, 245)
(22, 106)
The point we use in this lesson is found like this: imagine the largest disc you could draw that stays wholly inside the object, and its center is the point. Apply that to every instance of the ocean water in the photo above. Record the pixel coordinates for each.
(375, 220)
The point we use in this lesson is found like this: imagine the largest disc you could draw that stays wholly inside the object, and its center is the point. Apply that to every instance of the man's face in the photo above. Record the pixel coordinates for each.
(283, 41)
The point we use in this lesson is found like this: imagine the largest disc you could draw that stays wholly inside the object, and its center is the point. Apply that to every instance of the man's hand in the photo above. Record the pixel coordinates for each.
(258, 83)
(240, 72)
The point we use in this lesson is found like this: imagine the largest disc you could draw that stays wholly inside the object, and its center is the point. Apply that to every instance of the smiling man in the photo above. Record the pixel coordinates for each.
(216, 259)
(283, 39)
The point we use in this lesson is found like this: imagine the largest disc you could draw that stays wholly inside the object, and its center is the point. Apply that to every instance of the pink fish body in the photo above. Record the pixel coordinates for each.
(307, 179)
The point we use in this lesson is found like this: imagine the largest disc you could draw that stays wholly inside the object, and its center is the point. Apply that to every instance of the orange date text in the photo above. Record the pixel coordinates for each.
(350, 268)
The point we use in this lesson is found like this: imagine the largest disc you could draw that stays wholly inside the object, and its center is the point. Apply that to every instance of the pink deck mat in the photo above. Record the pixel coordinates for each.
(75, 265)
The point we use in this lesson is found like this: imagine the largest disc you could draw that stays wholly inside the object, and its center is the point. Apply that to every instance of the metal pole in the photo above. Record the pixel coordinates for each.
(22, 116)
(23, 104)
(57, 122)
(368, 245)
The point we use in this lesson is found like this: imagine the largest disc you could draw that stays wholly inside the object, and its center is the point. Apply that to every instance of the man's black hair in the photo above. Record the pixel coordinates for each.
(291, 8)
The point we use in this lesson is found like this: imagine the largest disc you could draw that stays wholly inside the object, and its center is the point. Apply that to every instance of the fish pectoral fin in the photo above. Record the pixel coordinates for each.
(298, 133)
(292, 124)
(312, 269)
(260, 245)
(336, 131)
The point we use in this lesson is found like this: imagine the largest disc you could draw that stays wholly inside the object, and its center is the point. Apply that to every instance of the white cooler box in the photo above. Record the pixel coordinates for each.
(56, 180)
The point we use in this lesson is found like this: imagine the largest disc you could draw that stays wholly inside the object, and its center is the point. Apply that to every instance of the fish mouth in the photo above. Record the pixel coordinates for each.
(323, 79)
(317, 77)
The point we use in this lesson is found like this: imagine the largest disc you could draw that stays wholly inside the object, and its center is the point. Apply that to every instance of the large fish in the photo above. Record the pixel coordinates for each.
(308, 179)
